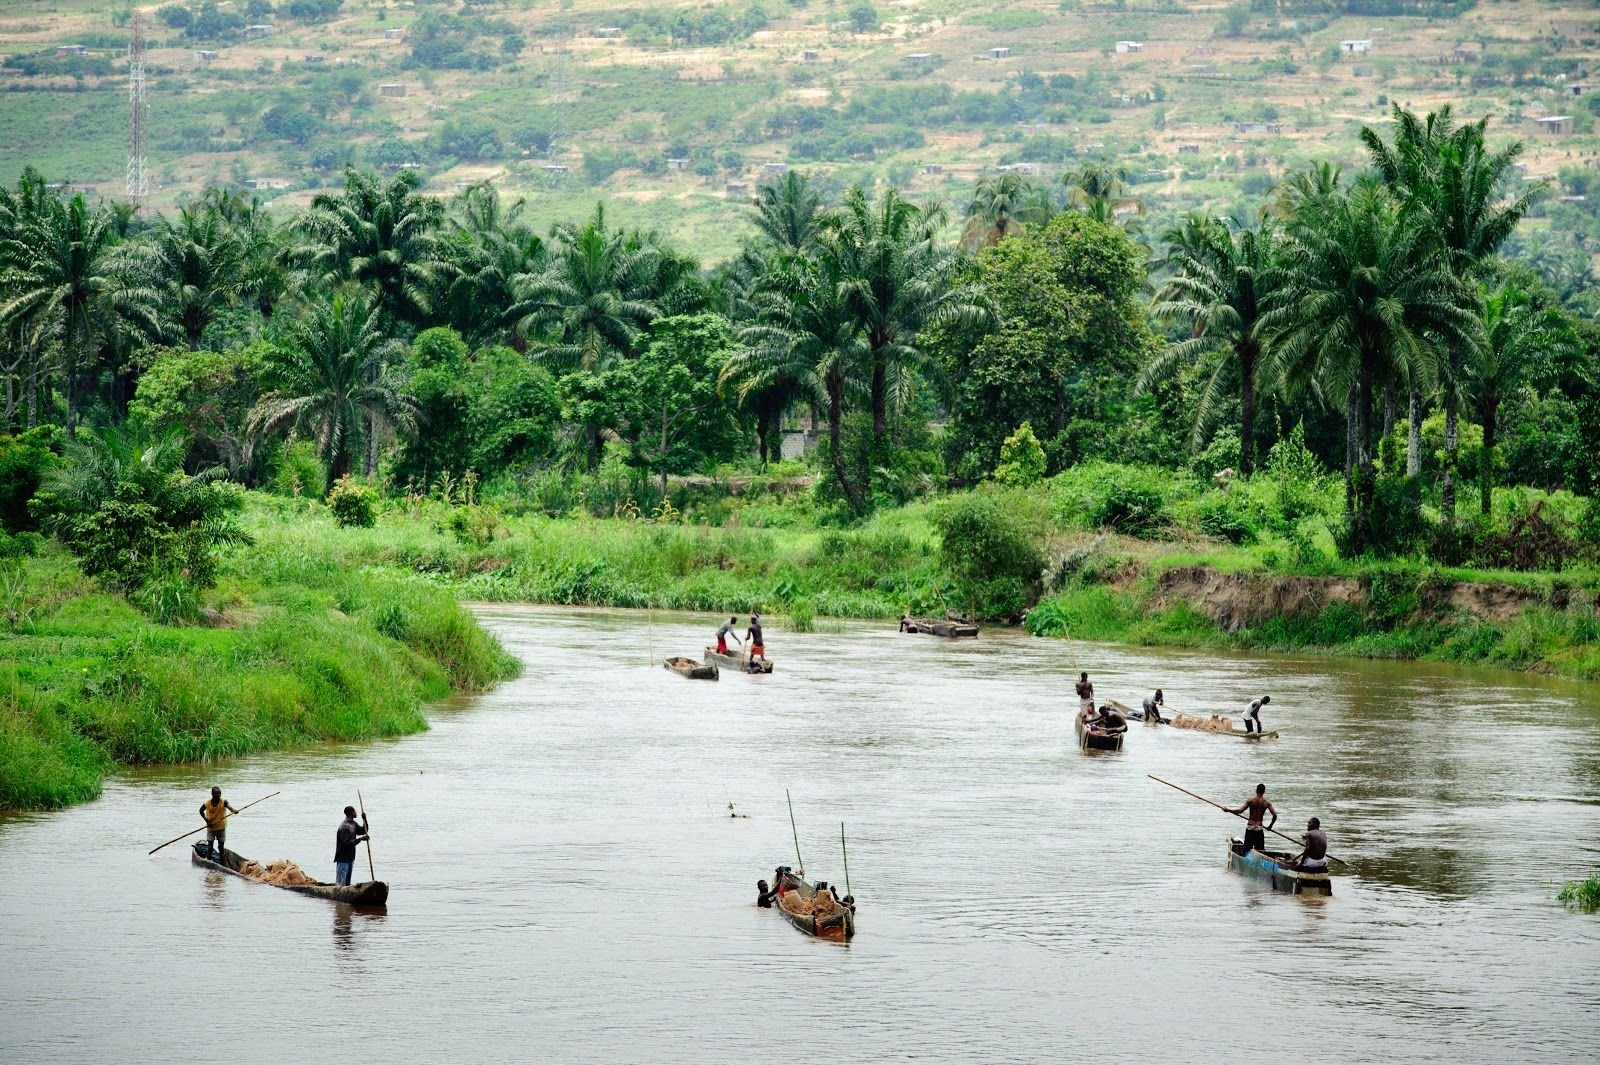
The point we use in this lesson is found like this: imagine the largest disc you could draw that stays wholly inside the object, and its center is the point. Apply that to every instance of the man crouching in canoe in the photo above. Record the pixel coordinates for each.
(344, 845)
(1313, 856)
(216, 811)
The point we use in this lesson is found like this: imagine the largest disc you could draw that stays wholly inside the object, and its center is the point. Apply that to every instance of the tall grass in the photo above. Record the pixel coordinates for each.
(302, 650)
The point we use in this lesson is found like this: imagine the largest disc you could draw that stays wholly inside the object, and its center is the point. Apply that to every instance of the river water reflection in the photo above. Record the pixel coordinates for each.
(567, 885)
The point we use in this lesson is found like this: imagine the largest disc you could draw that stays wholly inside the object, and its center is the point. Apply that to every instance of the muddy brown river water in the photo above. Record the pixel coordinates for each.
(567, 885)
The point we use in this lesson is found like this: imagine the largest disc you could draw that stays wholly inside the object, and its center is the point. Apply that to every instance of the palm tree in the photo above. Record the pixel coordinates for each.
(1447, 173)
(487, 248)
(898, 277)
(787, 210)
(263, 267)
(196, 262)
(805, 339)
(328, 382)
(588, 299)
(70, 283)
(998, 209)
(1222, 275)
(1101, 192)
(1519, 339)
(1364, 289)
(379, 235)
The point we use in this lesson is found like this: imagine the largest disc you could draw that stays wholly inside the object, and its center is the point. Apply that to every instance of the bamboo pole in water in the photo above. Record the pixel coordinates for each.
(202, 828)
(844, 851)
(800, 866)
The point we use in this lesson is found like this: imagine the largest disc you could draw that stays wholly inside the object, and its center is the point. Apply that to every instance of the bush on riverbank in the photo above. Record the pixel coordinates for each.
(287, 657)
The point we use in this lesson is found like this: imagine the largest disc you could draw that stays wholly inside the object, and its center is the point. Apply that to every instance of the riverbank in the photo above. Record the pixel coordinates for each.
(291, 651)
(1276, 593)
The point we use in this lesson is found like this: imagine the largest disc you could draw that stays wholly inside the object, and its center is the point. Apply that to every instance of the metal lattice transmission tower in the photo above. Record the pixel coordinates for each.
(138, 178)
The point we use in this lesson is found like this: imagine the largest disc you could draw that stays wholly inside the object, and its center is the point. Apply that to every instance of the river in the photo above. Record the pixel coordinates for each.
(567, 885)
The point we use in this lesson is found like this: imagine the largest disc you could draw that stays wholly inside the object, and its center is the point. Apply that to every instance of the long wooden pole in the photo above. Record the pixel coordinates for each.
(799, 865)
(1225, 810)
(363, 806)
(202, 828)
(844, 851)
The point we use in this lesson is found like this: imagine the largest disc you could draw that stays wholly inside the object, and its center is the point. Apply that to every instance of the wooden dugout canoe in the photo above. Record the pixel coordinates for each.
(1097, 739)
(737, 663)
(1274, 867)
(1217, 725)
(838, 923)
(371, 893)
(688, 667)
(934, 627)
(1135, 715)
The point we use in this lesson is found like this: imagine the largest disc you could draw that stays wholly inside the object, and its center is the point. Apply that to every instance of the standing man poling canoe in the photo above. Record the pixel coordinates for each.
(724, 632)
(1255, 836)
(1085, 695)
(758, 647)
(344, 845)
(215, 811)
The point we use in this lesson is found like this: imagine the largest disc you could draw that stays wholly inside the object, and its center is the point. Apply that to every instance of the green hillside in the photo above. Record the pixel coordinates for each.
(668, 110)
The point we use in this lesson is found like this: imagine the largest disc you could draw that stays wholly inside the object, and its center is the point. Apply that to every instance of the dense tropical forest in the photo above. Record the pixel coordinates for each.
(220, 415)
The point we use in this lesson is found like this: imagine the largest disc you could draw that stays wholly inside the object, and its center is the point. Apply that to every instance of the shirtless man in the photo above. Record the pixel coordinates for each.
(1313, 856)
(1255, 836)
(1085, 695)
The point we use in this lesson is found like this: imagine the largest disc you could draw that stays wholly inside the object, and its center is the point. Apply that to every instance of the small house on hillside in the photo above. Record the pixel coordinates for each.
(392, 89)
(1466, 53)
(999, 53)
(1124, 47)
(933, 168)
(316, 58)
(1361, 47)
(608, 31)
(71, 50)
(1026, 169)
(260, 29)
(1578, 88)
(1555, 125)
(810, 56)
(736, 190)
(918, 57)
(394, 35)
(1188, 149)
(775, 168)
(556, 169)
(1257, 127)
(677, 163)
(204, 57)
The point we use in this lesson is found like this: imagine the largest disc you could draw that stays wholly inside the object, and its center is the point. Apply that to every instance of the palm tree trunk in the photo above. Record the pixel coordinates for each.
(1247, 412)
(1488, 410)
(370, 466)
(880, 401)
(1365, 477)
(1388, 413)
(1350, 453)
(836, 442)
(1414, 435)
(1447, 492)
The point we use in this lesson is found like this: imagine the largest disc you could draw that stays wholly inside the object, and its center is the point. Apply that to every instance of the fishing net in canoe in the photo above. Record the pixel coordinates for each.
(1214, 723)
(282, 873)
(818, 905)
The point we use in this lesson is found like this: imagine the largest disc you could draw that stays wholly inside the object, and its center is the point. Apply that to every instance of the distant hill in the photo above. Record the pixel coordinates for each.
(670, 110)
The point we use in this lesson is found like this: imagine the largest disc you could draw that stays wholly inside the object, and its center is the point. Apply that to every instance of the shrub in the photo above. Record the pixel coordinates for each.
(300, 472)
(125, 507)
(1109, 495)
(353, 505)
(1582, 894)
(992, 549)
(475, 525)
(24, 460)
(1226, 516)
(1021, 458)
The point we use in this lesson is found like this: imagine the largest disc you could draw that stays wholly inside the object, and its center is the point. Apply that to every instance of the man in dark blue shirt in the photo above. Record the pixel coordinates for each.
(344, 846)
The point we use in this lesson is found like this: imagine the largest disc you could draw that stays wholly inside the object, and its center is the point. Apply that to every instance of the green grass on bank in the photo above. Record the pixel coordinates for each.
(873, 571)
(90, 683)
